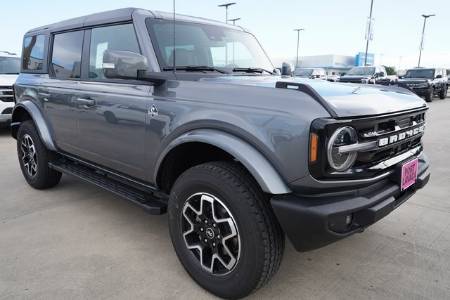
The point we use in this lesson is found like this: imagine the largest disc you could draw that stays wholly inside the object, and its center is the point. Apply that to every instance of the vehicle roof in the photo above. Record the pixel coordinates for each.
(8, 54)
(119, 15)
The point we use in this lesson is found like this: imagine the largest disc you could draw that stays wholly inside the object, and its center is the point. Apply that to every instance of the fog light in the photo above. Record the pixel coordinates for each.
(348, 219)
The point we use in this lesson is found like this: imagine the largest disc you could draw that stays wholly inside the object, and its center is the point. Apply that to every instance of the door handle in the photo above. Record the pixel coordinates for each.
(86, 102)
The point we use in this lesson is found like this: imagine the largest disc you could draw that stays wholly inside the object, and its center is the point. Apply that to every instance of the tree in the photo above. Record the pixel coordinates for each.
(390, 70)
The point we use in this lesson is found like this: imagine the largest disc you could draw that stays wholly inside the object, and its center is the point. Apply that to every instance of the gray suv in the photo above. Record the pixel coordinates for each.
(200, 125)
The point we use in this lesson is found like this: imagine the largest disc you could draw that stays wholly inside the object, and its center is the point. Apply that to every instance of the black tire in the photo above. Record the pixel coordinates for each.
(429, 97)
(260, 236)
(42, 177)
(443, 93)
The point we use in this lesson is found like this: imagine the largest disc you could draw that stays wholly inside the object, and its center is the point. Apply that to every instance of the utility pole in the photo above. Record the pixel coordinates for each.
(298, 44)
(226, 5)
(425, 17)
(369, 32)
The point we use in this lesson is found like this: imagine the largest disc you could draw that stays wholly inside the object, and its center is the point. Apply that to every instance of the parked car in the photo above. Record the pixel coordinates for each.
(426, 82)
(9, 70)
(334, 77)
(312, 73)
(237, 155)
(368, 75)
(388, 80)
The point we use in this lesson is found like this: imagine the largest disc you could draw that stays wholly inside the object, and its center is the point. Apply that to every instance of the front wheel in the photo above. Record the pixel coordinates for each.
(34, 158)
(223, 229)
(443, 92)
(430, 95)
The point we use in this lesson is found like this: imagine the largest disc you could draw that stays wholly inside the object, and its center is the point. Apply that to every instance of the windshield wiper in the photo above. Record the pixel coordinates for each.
(252, 70)
(196, 69)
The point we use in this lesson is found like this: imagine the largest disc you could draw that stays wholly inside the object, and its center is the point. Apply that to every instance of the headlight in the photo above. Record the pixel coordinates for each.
(342, 137)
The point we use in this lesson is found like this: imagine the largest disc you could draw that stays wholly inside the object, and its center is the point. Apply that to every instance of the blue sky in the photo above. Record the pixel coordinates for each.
(332, 26)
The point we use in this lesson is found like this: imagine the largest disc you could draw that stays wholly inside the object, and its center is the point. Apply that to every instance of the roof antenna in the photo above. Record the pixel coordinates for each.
(174, 52)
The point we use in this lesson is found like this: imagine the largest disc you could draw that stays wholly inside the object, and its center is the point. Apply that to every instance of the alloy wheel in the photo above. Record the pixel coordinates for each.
(29, 155)
(210, 233)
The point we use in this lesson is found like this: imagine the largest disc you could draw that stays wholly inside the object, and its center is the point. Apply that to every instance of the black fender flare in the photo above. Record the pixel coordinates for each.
(259, 167)
(36, 115)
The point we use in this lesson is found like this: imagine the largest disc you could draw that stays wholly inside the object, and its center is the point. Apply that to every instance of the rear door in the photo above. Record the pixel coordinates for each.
(59, 93)
(112, 120)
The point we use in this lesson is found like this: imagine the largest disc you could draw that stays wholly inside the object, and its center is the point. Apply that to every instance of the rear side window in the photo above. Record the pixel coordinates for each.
(117, 37)
(33, 53)
(66, 55)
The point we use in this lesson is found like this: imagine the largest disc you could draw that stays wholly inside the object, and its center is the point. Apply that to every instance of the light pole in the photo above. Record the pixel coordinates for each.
(298, 43)
(425, 17)
(234, 24)
(226, 5)
(234, 20)
(369, 32)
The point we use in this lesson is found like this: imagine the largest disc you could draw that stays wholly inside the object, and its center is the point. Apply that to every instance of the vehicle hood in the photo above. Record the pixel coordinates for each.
(7, 79)
(344, 99)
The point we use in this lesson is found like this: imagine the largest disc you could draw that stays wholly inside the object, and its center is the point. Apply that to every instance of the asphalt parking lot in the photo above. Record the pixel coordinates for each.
(78, 241)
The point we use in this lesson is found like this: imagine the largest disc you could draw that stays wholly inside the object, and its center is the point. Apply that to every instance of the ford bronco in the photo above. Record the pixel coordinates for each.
(187, 115)
(426, 82)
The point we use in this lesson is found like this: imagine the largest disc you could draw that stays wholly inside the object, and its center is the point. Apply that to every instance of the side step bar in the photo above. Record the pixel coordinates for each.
(144, 199)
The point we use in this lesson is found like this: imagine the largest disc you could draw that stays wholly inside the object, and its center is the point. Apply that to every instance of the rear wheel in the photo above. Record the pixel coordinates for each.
(223, 229)
(430, 95)
(34, 158)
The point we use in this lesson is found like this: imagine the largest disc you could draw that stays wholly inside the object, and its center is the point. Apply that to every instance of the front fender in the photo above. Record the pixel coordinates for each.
(36, 115)
(260, 168)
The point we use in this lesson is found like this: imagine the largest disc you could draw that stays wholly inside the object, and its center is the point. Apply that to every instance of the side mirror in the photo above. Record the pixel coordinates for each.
(286, 69)
(438, 76)
(123, 64)
(277, 71)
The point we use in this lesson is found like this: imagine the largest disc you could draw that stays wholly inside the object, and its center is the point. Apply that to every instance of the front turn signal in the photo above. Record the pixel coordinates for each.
(313, 147)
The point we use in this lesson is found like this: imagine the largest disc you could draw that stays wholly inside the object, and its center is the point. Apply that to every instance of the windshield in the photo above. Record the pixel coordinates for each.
(9, 65)
(205, 45)
(362, 71)
(420, 73)
(303, 72)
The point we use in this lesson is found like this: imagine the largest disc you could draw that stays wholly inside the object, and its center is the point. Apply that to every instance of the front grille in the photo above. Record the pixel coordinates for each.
(372, 161)
(6, 94)
(374, 130)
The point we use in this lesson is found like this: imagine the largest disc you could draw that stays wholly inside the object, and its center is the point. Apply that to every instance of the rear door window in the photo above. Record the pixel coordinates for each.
(66, 55)
(117, 37)
(33, 53)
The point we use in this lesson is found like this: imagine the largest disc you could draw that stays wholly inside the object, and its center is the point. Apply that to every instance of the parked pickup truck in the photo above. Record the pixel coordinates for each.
(238, 155)
(368, 75)
(9, 70)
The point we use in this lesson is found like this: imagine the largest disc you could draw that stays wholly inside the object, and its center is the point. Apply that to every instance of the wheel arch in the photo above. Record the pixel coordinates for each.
(27, 110)
(225, 146)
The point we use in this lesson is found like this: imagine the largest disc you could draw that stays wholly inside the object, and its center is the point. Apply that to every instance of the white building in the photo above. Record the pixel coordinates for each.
(333, 64)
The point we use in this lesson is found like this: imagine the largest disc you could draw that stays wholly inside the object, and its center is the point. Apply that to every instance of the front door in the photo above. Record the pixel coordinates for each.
(112, 113)
(112, 125)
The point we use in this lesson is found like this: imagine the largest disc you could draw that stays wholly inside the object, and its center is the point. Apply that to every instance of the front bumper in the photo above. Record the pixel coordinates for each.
(311, 222)
(5, 119)
(420, 91)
